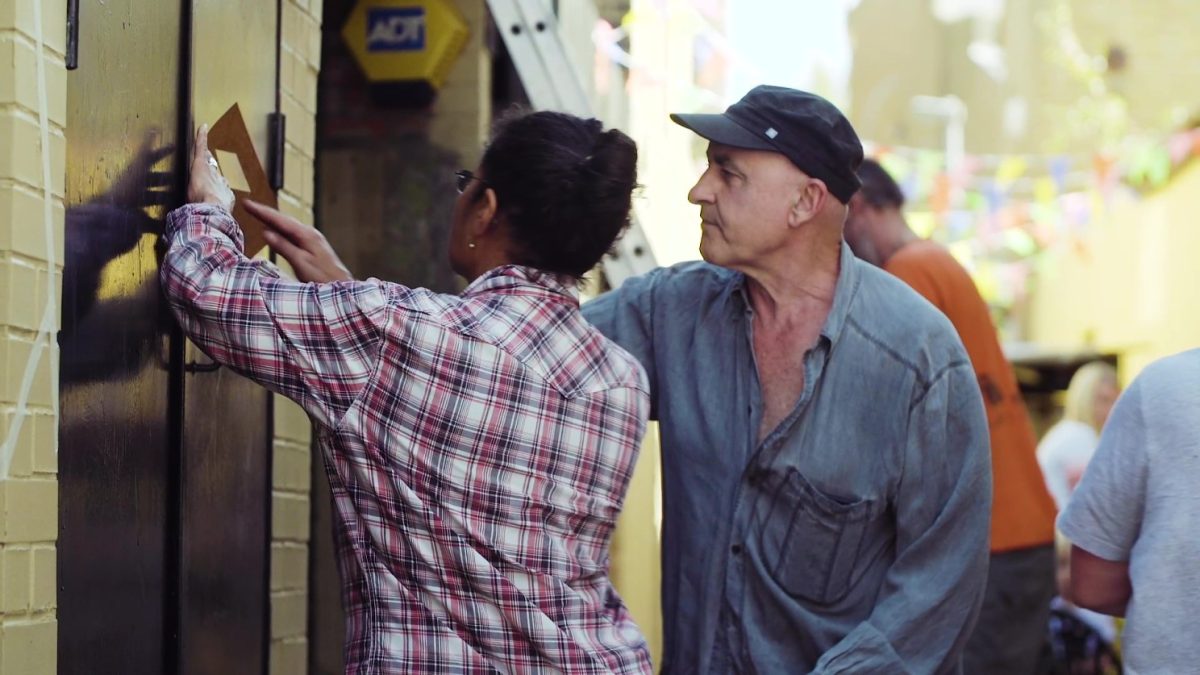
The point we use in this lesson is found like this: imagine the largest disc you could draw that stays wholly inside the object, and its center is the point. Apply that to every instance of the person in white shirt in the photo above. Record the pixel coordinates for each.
(1064, 452)
(1133, 521)
(1068, 446)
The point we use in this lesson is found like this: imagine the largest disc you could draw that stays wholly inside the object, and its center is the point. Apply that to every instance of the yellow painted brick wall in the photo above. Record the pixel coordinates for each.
(300, 59)
(32, 154)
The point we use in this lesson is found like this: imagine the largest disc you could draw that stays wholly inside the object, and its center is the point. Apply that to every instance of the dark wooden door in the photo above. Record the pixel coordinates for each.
(117, 472)
(164, 463)
(226, 486)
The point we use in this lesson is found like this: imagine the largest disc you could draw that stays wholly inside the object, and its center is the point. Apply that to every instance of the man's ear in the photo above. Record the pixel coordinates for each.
(807, 201)
(483, 214)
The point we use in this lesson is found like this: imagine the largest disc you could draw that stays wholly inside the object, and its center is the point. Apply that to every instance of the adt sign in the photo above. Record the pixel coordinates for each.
(404, 40)
(396, 29)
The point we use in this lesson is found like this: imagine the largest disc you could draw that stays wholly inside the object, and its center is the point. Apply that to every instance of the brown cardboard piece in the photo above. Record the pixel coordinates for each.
(230, 135)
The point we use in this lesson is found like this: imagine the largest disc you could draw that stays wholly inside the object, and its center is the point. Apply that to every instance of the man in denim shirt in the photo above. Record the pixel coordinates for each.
(825, 449)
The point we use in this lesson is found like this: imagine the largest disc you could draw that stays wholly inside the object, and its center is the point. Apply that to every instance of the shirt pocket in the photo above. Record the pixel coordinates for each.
(810, 540)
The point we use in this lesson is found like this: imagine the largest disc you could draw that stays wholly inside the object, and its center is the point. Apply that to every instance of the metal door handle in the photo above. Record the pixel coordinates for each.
(202, 364)
(197, 367)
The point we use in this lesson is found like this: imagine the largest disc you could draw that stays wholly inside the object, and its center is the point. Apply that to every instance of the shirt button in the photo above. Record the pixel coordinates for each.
(736, 549)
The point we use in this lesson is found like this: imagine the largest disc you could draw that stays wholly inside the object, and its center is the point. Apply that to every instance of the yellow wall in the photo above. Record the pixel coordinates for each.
(32, 147)
(1134, 287)
(636, 554)
(1130, 287)
(1156, 37)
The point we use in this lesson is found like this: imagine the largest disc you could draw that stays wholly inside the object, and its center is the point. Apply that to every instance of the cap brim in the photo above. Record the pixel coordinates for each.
(720, 129)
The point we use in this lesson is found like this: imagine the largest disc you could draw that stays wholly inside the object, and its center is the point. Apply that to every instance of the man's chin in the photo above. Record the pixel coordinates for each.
(710, 253)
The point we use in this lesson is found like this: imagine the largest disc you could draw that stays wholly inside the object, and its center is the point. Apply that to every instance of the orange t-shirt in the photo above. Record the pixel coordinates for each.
(1022, 508)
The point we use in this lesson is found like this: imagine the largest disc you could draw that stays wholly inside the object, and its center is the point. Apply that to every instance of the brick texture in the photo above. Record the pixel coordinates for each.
(300, 58)
(30, 281)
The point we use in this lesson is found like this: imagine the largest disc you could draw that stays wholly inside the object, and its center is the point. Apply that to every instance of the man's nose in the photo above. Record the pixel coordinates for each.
(700, 193)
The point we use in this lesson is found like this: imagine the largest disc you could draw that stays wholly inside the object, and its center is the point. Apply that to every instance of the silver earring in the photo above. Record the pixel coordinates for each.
(470, 244)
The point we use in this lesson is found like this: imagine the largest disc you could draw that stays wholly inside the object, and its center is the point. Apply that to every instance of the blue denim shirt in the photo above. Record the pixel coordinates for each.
(854, 538)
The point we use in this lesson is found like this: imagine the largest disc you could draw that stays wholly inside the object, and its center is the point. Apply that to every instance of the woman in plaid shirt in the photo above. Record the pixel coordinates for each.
(478, 445)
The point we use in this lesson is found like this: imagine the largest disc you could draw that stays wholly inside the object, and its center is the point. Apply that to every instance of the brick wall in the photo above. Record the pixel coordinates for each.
(32, 146)
(300, 60)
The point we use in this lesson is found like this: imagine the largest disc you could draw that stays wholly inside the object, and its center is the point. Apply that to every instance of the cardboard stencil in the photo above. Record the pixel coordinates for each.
(229, 140)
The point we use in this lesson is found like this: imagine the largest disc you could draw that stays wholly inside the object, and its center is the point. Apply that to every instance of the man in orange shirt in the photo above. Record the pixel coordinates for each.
(1012, 625)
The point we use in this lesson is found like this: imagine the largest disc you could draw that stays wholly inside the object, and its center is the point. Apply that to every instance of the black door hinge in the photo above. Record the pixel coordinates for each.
(277, 128)
(72, 34)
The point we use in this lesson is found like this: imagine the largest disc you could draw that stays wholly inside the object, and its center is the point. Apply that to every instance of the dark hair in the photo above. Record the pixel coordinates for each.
(879, 189)
(563, 185)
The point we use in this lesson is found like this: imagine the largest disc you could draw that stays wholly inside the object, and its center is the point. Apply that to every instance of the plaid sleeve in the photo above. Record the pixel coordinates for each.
(317, 344)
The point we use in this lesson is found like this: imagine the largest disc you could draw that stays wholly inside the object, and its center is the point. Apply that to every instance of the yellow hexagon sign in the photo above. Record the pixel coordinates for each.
(405, 39)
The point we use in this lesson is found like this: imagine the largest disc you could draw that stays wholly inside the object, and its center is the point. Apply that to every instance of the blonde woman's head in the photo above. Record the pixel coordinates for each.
(1091, 394)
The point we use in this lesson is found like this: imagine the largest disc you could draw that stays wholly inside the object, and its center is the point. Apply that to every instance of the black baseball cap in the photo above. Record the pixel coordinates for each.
(803, 127)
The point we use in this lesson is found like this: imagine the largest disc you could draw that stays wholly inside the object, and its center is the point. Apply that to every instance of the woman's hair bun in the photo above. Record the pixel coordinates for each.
(565, 187)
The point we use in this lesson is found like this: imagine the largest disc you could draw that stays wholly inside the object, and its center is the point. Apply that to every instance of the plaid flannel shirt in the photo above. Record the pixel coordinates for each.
(478, 447)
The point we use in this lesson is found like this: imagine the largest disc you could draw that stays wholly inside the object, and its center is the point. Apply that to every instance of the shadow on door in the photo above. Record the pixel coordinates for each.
(164, 462)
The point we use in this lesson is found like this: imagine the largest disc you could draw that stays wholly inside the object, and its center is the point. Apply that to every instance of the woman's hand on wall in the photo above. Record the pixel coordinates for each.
(206, 185)
(306, 249)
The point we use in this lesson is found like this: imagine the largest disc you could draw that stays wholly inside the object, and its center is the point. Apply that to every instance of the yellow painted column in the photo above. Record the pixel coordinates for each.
(635, 567)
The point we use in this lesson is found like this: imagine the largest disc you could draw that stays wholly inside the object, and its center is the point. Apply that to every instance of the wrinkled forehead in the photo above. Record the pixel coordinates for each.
(755, 160)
